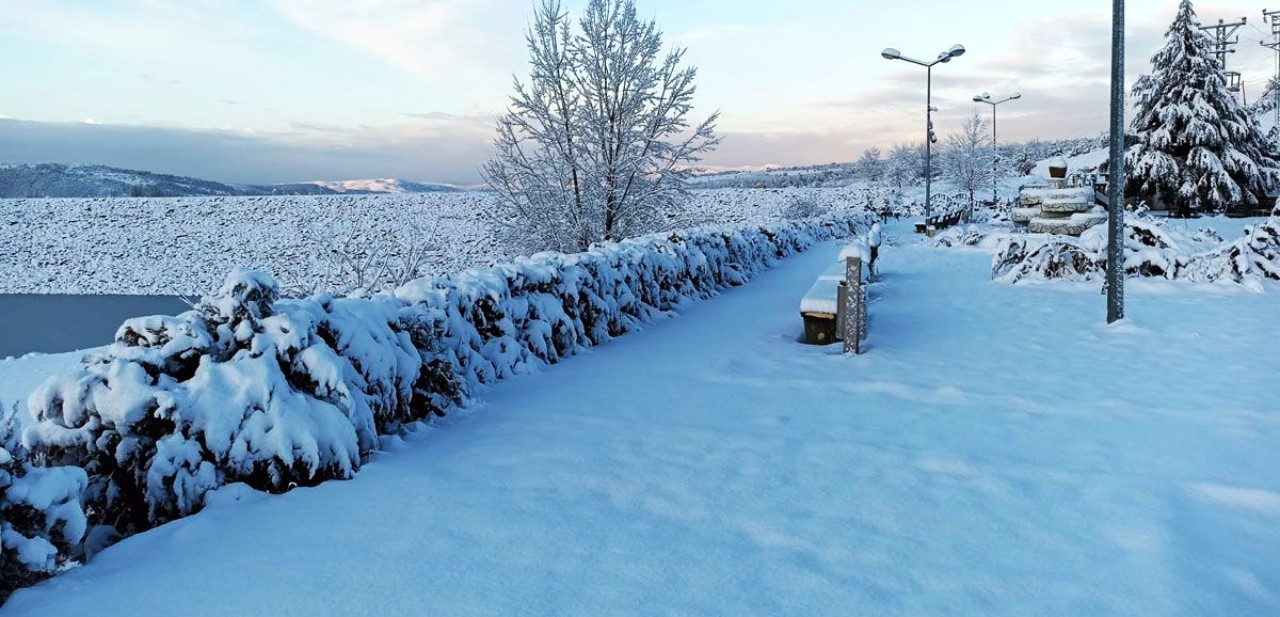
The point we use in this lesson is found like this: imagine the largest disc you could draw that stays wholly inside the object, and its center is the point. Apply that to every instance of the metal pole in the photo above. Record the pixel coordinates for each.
(995, 159)
(1115, 187)
(928, 145)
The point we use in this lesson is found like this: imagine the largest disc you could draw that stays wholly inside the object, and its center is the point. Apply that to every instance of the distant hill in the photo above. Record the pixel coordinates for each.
(56, 180)
(384, 185)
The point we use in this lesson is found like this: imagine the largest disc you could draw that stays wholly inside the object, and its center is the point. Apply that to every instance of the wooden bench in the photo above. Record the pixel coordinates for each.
(825, 305)
(819, 307)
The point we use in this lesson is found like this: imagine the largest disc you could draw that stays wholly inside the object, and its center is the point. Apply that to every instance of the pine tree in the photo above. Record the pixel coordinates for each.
(1197, 147)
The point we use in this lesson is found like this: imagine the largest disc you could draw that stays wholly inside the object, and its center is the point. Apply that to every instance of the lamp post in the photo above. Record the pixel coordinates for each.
(929, 136)
(995, 145)
(1116, 171)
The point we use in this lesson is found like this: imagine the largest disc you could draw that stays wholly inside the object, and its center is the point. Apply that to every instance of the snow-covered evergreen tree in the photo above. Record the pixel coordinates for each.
(597, 144)
(1263, 110)
(1197, 148)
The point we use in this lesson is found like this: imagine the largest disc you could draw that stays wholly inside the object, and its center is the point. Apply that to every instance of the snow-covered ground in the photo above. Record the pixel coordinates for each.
(1088, 160)
(997, 451)
(186, 246)
(20, 376)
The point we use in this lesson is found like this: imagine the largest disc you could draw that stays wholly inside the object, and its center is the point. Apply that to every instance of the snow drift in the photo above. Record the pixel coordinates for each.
(277, 393)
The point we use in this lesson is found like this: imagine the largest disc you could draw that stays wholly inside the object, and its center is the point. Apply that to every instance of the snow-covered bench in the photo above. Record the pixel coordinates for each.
(820, 307)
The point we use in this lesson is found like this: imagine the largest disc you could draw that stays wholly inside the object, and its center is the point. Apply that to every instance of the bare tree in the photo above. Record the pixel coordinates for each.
(596, 145)
(966, 159)
(905, 165)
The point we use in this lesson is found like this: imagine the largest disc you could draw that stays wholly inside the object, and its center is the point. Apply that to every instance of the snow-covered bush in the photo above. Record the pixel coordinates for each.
(961, 236)
(245, 388)
(248, 387)
(41, 518)
(1253, 257)
(1151, 250)
(802, 207)
(1056, 257)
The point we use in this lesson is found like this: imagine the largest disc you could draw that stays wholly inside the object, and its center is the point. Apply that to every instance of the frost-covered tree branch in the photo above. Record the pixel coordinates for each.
(597, 144)
(966, 158)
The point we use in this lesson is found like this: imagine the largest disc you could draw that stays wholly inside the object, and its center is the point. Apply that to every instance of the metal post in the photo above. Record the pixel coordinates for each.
(853, 327)
(928, 145)
(995, 160)
(1116, 185)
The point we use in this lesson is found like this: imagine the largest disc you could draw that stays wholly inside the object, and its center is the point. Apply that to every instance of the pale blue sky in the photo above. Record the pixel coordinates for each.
(286, 90)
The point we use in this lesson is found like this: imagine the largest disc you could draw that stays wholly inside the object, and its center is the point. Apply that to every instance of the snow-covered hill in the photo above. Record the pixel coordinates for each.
(55, 180)
(384, 185)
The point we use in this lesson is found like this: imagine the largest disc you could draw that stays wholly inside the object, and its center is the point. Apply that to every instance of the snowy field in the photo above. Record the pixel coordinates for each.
(997, 451)
(186, 246)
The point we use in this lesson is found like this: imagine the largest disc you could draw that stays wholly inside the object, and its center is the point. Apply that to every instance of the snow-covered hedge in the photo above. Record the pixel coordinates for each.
(276, 393)
(42, 522)
(1151, 250)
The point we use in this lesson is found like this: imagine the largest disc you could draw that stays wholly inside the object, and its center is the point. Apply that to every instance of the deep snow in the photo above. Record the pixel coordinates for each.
(19, 376)
(997, 451)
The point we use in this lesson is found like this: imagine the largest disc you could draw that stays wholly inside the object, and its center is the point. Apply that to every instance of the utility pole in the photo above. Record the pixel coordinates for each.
(1115, 168)
(1224, 38)
(1274, 44)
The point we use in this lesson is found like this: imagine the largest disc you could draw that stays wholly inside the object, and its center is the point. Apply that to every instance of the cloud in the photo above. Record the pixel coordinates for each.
(1065, 85)
(434, 115)
(316, 127)
(444, 153)
(454, 42)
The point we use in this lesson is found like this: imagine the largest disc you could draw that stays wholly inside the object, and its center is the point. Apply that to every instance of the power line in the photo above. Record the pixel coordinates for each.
(1224, 38)
(1273, 17)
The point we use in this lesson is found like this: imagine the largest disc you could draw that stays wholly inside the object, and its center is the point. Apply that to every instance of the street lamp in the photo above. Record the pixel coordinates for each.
(929, 136)
(995, 146)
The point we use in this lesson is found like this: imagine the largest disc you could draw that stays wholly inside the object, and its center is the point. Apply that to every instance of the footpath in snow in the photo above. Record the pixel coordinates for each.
(997, 451)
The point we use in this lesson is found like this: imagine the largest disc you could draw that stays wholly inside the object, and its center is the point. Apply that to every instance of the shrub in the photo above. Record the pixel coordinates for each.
(277, 393)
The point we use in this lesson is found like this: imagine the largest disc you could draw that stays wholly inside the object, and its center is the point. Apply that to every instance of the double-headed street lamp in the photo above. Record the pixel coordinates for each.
(995, 146)
(929, 136)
